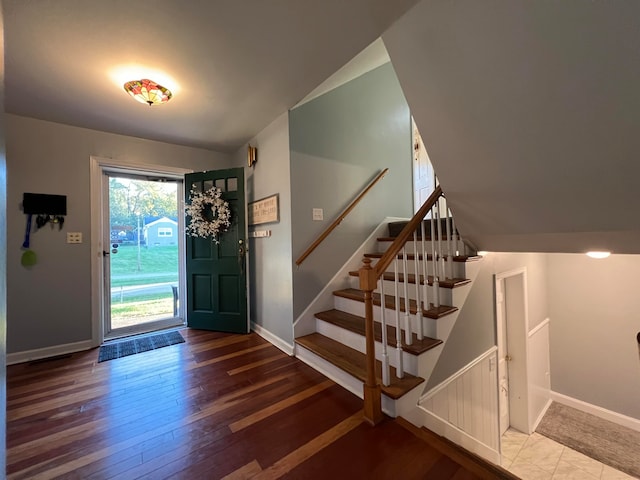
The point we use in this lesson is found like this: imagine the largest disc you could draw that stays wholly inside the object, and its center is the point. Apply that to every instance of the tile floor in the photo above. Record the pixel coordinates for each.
(535, 457)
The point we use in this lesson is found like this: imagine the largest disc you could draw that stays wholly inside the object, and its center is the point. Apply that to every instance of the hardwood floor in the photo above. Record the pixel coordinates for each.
(217, 406)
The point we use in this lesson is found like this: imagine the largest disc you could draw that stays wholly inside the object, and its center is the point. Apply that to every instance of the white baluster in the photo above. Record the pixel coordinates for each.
(456, 250)
(434, 261)
(425, 271)
(399, 368)
(449, 238)
(407, 303)
(440, 252)
(416, 264)
(385, 355)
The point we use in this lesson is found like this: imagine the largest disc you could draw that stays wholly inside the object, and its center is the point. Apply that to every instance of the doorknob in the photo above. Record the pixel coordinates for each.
(508, 357)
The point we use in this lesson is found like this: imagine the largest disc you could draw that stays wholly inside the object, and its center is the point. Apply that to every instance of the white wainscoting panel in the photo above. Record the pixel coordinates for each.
(539, 373)
(469, 401)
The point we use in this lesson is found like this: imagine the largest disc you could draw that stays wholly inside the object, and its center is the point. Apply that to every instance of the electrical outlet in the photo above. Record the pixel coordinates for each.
(74, 237)
(318, 214)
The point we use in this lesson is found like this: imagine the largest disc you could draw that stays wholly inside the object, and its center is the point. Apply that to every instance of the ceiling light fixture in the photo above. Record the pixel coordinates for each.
(147, 91)
(596, 254)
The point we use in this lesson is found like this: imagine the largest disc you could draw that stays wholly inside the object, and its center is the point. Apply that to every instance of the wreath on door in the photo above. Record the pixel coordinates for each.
(210, 214)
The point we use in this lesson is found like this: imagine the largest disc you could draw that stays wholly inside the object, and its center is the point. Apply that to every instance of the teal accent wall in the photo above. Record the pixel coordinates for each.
(338, 144)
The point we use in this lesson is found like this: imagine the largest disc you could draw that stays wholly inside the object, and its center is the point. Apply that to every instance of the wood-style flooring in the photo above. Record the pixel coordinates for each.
(217, 406)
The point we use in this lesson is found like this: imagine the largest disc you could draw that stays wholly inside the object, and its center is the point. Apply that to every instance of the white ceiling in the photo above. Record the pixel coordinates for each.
(233, 65)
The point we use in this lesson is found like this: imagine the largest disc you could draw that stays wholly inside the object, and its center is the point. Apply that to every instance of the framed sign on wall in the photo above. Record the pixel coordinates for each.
(265, 210)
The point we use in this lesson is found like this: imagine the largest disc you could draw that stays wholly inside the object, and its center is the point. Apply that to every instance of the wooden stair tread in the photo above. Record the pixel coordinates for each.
(354, 363)
(355, 323)
(411, 256)
(390, 302)
(446, 283)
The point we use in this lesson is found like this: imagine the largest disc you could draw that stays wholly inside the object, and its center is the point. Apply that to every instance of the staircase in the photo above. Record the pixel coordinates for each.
(337, 346)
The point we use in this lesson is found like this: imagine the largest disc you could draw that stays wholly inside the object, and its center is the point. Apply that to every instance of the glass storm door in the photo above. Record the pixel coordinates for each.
(143, 262)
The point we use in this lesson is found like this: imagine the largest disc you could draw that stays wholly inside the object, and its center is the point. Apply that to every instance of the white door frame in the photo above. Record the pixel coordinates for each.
(97, 166)
(517, 322)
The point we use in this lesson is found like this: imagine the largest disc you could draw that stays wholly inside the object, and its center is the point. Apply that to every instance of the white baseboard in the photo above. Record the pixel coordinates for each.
(273, 339)
(618, 418)
(451, 432)
(37, 354)
(539, 419)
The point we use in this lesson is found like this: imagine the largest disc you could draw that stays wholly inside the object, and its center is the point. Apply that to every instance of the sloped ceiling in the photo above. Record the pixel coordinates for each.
(234, 66)
(530, 113)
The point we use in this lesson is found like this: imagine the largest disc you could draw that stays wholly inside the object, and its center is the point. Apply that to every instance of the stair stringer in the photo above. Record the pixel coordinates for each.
(305, 323)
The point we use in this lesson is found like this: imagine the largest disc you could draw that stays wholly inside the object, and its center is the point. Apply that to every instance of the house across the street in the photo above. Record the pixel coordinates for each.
(163, 231)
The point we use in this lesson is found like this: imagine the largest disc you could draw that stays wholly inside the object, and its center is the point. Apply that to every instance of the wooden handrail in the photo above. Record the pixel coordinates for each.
(407, 231)
(369, 277)
(338, 220)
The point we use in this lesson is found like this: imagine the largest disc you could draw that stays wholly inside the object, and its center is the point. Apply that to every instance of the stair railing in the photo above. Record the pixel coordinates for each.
(369, 277)
(340, 218)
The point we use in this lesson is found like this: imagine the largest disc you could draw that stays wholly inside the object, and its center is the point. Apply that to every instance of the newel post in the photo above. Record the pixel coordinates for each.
(372, 393)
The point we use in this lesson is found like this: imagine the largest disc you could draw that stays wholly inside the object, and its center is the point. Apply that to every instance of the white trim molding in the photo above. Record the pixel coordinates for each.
(97, 166)
(56, 350)
(540, 326)
(615, 417)
(273, 339)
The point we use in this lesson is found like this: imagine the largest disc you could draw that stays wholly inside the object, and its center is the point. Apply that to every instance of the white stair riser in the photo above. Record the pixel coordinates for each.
(357, 342)
(330, 370)
(458, 268)
(389, 289)
(357, 308)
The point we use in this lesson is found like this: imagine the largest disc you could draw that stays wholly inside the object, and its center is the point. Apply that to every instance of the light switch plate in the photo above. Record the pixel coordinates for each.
(318, 214)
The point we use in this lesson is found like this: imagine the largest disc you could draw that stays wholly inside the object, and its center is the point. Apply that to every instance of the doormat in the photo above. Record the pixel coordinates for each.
(605, 441)
(138, 345)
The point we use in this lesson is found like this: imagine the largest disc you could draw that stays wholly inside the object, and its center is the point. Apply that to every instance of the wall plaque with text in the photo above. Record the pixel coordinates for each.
(264, 210)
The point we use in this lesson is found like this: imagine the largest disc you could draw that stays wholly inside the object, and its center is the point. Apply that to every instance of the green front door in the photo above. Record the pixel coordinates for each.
(217, 273)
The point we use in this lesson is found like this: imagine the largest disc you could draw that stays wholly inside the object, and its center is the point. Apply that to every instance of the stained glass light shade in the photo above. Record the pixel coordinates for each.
(147, 91)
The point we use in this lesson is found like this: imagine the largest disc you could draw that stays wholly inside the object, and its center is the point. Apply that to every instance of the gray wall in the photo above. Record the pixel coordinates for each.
(339, 142)
(475, 332)
(271, 289)
(529, 112)
(3, 263)
(594, 307)
(50, 303)
(537, 278)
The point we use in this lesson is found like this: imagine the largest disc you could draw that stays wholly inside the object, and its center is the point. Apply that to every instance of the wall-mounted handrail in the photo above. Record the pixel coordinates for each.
(341, 217)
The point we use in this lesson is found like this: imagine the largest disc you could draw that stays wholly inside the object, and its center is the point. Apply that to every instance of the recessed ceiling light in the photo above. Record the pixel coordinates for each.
(598, 254)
